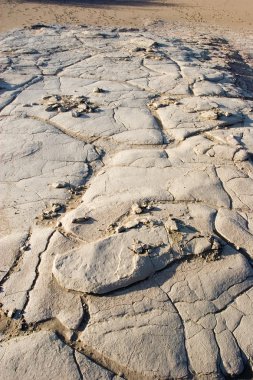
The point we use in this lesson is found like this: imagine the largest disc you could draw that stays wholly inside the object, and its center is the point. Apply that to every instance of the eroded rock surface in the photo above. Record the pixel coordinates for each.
(126, 205)
(25, 357)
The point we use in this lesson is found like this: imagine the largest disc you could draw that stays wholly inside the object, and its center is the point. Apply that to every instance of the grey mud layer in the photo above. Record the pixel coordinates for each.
(126, 205)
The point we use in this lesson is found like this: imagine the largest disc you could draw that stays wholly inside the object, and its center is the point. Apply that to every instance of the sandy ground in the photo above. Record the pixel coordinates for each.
(232, 14)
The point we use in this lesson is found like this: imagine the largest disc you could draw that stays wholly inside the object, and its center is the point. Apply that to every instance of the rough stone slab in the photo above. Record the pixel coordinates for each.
(209, 309)
(142, 158)
(25, 357)
(46, 299)
(16, 289)
(26, 183)
(114, 262)
(124, 184)
(10, 248)
(199, 185)
(190, 116)
(198, 283)
(139, 331)
(238, 184)
(19, 355)
(230, 353)
(200, 149)
(91, 370)
(233, 227)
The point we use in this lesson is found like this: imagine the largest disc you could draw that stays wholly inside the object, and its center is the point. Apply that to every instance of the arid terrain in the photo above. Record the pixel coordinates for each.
(126, 190)
(126, 204)
(232, 14)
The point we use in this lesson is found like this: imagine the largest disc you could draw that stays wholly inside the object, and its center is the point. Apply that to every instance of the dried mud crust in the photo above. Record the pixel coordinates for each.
(126, 205)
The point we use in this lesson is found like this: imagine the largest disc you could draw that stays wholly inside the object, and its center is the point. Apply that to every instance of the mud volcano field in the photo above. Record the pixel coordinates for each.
(126, 205)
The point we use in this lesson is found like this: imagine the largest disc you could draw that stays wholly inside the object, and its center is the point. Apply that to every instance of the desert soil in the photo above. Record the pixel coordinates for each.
(232, 14)
(126, 184)
(126, 190)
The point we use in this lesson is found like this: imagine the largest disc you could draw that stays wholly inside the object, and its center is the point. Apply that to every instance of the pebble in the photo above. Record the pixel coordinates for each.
(60, 185)
(80, 220)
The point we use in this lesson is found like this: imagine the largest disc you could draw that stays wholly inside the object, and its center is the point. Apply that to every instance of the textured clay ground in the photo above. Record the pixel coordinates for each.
(126, 204)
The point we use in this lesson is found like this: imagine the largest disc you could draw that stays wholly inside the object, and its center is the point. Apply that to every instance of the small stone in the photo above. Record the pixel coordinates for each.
(132, 224)
(52, 107)
(80, 220)
(64, 109)
(24, 326)
(59, 185)
(209, 115)
(211, 153)
(171, 225)
(56, 207)
(98, 90)
(75, 113)
(140, 248)
(120, 229)
(214, 253)
(10, 313)
(25, 247)
(82, 108)
(136, 209)
(137, 248)
(216, 245)
(137, 49)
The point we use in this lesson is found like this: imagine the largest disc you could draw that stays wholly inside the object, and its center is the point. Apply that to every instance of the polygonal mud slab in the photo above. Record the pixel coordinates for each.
(25, 357)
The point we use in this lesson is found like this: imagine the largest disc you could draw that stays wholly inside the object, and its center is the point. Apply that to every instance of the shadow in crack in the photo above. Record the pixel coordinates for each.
(242, 72)
(4, 86)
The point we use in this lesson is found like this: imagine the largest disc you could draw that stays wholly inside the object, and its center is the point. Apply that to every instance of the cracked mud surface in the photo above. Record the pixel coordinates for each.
(126, 235)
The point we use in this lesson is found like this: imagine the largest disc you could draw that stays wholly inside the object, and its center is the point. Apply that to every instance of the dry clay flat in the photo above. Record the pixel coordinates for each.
(126, 205)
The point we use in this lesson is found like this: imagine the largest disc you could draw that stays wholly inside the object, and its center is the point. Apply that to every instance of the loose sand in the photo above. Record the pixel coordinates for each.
(231, 14)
